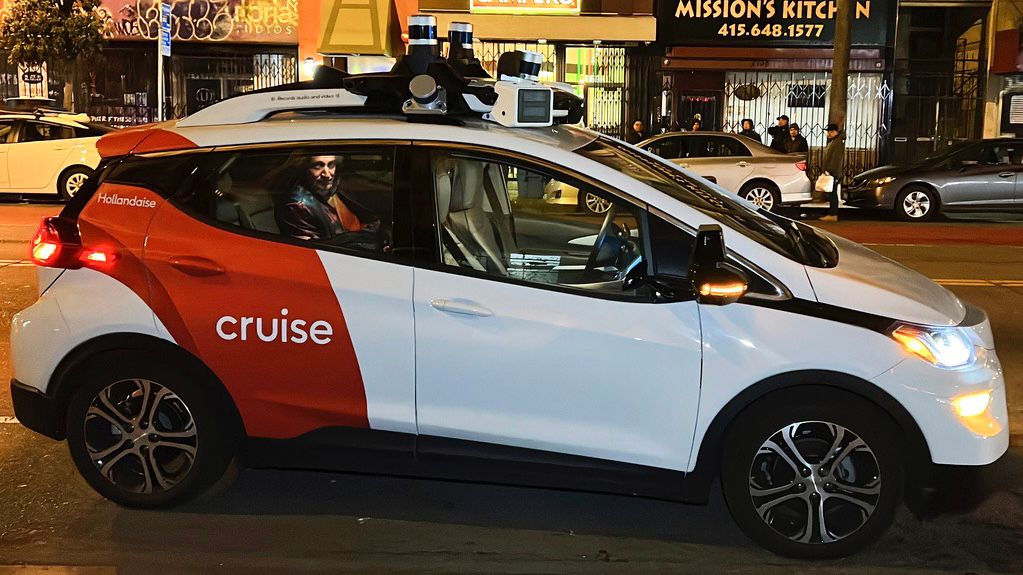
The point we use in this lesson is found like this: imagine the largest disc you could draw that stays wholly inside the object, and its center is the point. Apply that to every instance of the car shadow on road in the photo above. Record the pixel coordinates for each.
(274, 492)
(497, 506)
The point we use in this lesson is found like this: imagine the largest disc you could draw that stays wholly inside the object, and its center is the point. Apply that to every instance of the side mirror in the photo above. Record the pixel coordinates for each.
(714, 281)
(665, 288)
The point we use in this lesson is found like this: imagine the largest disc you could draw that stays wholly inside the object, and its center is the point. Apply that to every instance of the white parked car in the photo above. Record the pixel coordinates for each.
(288, 276)
(752, 170)
(47, 152)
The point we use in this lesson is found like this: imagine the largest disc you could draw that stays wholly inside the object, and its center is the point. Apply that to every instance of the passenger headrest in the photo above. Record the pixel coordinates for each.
(466, 185)
(459, 185)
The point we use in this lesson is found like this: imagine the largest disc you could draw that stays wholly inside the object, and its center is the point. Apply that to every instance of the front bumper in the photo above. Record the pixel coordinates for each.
(36, 410)
(927, 393)
(865, 196)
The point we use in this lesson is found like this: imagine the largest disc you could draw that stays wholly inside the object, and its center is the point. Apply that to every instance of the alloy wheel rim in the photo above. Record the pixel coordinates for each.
(596, 204)
(761, 198)
(815, 482)
(74, 183)
(916, 204)
(140, 436)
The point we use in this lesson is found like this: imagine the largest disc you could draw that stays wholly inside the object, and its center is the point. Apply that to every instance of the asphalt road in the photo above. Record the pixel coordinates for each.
(284, 522)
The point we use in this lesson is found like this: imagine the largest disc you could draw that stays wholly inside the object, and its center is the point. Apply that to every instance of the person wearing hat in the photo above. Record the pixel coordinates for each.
(834, 166)
(796, 143)
(779, 133)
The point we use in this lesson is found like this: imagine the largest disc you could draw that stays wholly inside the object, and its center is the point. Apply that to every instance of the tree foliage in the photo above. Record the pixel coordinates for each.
(55, 31)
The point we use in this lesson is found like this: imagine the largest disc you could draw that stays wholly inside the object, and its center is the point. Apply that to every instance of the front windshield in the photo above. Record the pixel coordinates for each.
(791, 239)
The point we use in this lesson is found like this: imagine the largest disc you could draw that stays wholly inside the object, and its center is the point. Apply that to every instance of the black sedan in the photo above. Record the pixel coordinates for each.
(978, 176)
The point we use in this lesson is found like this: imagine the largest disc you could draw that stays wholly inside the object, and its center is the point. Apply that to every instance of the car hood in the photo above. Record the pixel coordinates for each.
(866, 281)
(885, 171)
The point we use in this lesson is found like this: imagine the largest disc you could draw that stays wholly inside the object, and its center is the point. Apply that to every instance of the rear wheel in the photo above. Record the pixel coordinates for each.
(593, 204)
(761, 194)
(814, 474)
(72, 180)
(916, 204)
(146, 434)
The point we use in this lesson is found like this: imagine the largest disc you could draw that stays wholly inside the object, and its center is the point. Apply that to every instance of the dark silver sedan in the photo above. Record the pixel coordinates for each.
(972, 176)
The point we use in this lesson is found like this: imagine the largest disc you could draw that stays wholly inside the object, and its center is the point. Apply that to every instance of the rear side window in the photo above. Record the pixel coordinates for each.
(725, 147)
(44, 132)
(667, 148)
(162, 174)
(341, 197)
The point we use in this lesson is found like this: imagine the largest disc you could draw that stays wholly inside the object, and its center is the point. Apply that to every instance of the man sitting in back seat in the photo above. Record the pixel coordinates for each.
(312, 209)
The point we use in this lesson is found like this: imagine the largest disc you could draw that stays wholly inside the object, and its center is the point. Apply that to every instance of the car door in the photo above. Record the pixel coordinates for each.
(281, 269)
(39, 154)
(724, 159)
(8, 129)
(525, 337)
(979, 176)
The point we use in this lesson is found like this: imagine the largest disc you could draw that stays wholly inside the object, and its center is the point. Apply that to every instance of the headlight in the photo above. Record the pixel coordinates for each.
(945, 347)
(883, 181)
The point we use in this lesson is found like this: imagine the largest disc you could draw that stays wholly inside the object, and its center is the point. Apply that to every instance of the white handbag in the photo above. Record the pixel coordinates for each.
(825, 184)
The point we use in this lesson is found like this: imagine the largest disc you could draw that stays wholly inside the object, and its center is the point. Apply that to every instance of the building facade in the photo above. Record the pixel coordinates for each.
(219, 49)
(916, 83)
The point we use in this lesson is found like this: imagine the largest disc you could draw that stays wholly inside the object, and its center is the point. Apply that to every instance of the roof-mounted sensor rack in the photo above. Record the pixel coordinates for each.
(422, 85)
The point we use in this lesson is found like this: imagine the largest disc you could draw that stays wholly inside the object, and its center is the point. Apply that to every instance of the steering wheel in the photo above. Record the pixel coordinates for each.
(602, 237)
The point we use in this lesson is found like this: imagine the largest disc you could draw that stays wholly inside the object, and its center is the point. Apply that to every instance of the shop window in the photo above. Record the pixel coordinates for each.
(807, 96)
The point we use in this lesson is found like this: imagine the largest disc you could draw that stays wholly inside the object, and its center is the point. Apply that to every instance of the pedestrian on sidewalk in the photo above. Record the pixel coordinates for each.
(779, 133)
(749, 132)
(637, 134)
(796, 143)
(834, 166)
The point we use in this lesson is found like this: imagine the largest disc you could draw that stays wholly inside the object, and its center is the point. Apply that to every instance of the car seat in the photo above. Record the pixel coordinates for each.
(469, 235)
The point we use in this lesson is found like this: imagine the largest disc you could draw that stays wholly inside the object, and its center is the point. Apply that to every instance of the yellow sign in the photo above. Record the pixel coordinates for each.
(355, 27)
(524, 6)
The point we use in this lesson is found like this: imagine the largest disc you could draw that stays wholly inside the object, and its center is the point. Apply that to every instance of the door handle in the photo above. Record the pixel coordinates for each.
(1006, 174)
(461, 307)
(196, 266)
(743, 164)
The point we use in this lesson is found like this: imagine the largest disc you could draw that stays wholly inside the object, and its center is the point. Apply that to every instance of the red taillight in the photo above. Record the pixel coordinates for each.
(801, 166)
(57, 244)
(98, 256)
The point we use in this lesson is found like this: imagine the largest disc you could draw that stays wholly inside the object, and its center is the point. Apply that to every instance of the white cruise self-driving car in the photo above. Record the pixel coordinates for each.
(362, 273)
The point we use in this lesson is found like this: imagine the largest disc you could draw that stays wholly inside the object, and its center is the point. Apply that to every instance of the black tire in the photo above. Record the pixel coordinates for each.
(748, 463)
(214, 439)
(70, 181)
(917, 199)
(754, 192)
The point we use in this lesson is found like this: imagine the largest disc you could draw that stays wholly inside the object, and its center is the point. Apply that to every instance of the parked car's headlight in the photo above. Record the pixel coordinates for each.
(946, 347)
(882, 181)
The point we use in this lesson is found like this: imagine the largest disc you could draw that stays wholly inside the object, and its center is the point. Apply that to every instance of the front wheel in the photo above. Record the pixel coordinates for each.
(916, 204)
(762, 195)
(813, 475)
(144, 433)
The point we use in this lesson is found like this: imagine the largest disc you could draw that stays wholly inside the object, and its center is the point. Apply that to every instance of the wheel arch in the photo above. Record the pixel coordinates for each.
(762, 180)
(709, 454)
(63, 381)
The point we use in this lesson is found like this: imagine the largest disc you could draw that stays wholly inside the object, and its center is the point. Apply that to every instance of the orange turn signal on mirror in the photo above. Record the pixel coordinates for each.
(722, 290)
